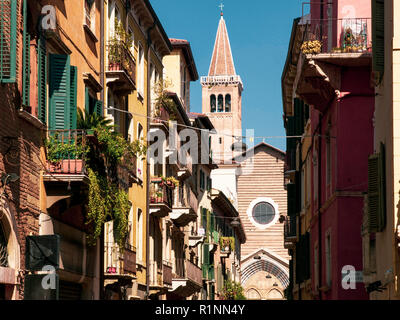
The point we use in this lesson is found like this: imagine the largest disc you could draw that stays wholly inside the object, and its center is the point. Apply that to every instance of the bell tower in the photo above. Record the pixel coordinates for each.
(222, 98)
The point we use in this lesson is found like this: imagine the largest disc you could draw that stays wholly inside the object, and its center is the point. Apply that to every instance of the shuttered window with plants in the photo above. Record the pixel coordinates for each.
(377, 192)
(8, 40)
(378, 36)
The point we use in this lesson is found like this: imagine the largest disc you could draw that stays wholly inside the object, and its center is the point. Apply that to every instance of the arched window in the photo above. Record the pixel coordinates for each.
(213, 103)
(263, 213)
(228, 103)
(220, 103)
(3, 248)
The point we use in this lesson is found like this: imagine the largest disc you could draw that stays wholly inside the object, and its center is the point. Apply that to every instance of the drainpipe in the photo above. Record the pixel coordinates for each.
(148, 168)
(102, 99)
(319, 209)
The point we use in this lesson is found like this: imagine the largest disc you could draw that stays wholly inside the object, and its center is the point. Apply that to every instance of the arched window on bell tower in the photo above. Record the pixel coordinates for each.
(213, 103)
(228, 103)
(220, 103)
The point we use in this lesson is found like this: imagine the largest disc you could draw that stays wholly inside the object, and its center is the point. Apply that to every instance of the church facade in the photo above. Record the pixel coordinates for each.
(252, 178)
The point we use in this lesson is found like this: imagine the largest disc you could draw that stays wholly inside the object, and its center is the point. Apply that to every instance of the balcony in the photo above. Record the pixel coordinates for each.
(330, 45)
(65, 156)
(188, 280)
(161, 198)
(156, 278)
(227, 246)
(337, 38)
(121, 68)
(167, 274)
(185, 167)
(218, 80)
(160, 119)
(185, 210)
(119, 265)
(127, 171)
(290, 231)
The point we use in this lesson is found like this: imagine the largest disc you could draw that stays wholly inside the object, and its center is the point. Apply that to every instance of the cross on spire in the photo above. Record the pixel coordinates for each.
(222, 8)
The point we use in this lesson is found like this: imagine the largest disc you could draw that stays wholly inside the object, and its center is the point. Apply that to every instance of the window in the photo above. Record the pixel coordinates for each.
(8, 40)
(139, 235)
(202, 180)
(3, 248)
(131, 35)
(228, 103)
(62, 93)
(220, 103)
(328, 161)
(26, 67)
(263, 213)
(90, 14)
(316, 267)
(92, 105)
(213, 103)
(139, 159)
(140, 73)
(328, 274)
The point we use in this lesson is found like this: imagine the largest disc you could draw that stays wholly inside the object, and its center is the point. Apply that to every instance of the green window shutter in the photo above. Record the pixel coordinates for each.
(8, 40)
(26, 60)
(206, 254)
(212, 222)
(378, 35)
(99, 108)
(87, 100)
(73, 97)
(42, 79)
(204, 218)
(373, 193)
(376, 192)
(59, 92)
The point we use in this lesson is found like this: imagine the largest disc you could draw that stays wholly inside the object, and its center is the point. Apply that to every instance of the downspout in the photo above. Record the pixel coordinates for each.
(319, 209)
(148, 168)
(102, 99)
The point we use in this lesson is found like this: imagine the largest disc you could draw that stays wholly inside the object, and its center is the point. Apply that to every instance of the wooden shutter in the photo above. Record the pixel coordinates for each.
(8, 40)
(212, 222)
(73, 97)
(376, 192)
(206, 254)
(378, 35)
(42, 79)
(26, 72)
(99, 108)
(59, 92)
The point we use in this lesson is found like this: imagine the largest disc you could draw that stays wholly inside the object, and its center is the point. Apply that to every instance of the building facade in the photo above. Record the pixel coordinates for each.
(328, 105)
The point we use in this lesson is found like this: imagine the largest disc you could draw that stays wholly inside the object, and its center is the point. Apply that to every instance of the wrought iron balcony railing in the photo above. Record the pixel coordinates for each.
(120, 58)
(290, 227)
(66, 151)
(161, 193)
(117, 262)
(348, 35)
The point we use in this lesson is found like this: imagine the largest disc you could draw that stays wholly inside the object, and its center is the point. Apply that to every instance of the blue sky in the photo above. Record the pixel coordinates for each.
(259, 32)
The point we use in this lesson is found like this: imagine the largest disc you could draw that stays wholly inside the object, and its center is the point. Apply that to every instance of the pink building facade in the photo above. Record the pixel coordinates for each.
(329, 101)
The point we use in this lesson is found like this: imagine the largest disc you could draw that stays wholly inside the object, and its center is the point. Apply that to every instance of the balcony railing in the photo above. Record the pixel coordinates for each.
(193, 272)
(117, 262)
(120, 58)
(290, 227)
(167, 273)
(65, 152)
(215, 80)
(161, 193)
(155, 272)
(349, 35)
(127, 171)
